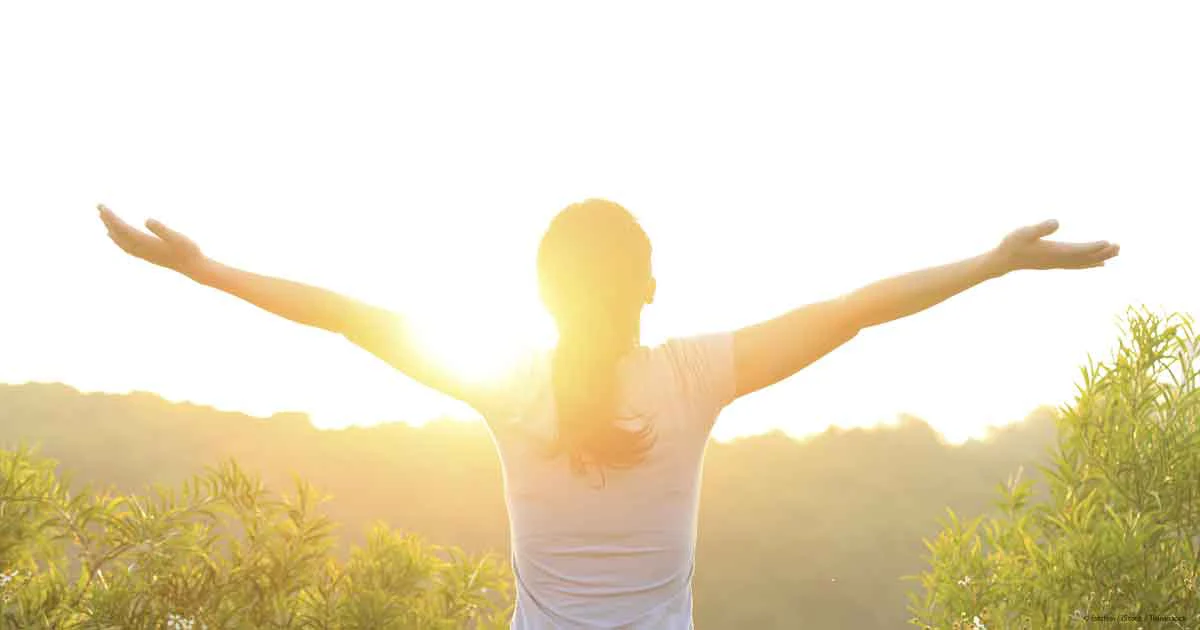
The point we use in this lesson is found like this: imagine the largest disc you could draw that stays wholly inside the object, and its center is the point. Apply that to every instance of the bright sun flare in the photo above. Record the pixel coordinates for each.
(475, 353)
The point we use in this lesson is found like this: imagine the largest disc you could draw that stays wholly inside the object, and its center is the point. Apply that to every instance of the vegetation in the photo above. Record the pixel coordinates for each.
(220, 553)
(793, 532)
(1118, 538)
(815, 532)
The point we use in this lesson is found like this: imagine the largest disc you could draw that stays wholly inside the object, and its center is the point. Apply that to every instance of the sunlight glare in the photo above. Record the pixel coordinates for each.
(455, 341)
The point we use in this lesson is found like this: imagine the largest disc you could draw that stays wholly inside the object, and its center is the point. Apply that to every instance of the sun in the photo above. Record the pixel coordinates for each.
(458, 343)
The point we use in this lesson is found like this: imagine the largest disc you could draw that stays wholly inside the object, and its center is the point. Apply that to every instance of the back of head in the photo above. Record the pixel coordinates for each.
(594, 274)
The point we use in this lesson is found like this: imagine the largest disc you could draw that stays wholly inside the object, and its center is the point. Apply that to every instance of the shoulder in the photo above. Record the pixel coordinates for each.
(505, 397)
(698, 352)
(702, 364)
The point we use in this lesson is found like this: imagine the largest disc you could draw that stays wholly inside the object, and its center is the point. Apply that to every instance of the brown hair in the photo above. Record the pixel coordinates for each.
(594, 275)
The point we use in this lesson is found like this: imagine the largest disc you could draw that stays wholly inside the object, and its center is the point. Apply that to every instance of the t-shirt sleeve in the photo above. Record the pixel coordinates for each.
(704, 370)
(504, 398)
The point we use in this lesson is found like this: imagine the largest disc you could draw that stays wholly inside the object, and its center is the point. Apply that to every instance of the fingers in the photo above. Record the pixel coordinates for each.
(1094, 257)
(1101, 254)
(127, 244)
(107, 216)
(113, 222)
(1078, 249)
(1087, 249)
(1040, 230)
(130, 239)
(118, 228)
(1109, 252)
(164, 232)
(1103, 249)
(1031, 233)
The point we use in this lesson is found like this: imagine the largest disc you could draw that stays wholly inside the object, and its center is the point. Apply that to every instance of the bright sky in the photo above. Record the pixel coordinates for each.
(413, 156)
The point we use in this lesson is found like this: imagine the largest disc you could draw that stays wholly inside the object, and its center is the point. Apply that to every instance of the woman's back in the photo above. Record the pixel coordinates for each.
(617, 551)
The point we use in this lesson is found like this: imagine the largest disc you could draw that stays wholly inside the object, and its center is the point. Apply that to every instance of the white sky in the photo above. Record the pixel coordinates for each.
(775, 155)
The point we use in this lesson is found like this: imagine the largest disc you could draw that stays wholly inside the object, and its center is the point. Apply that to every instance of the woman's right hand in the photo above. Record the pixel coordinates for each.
(163, 246)
(1026, 248)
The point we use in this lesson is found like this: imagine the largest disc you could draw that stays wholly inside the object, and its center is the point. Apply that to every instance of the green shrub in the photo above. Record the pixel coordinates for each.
(1118, 542)
(219, 553)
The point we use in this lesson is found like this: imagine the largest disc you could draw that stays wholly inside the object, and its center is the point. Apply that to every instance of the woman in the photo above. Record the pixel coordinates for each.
(602, 439)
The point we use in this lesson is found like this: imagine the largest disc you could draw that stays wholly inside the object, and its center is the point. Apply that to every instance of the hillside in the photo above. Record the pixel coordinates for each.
(792, 532)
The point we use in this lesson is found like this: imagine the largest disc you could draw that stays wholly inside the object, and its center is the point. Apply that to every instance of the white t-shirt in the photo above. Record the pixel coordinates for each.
(622, 555)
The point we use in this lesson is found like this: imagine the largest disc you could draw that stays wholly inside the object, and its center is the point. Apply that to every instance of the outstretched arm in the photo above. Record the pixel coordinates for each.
(378, 331)
(771, 351)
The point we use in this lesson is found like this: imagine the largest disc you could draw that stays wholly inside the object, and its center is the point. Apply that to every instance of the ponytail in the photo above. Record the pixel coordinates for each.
(594, 268)
(587, 391)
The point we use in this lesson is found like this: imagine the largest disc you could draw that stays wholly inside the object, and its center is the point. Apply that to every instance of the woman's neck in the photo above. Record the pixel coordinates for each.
(627, 336)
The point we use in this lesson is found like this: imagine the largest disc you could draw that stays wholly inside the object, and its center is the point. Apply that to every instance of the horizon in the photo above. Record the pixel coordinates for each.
(413, 157)
(895, 424)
